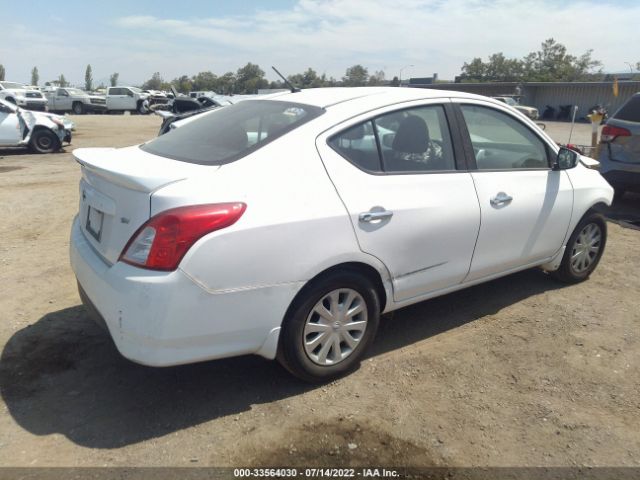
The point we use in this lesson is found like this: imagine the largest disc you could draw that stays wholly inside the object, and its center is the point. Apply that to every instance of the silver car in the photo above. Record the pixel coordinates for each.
(620, 148)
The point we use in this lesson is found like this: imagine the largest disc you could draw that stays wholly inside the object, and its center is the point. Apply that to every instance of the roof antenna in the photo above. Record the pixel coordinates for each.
(286, 82)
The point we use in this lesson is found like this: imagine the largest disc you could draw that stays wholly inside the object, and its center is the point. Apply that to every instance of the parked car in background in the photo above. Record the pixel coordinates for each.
(74, 100)
(41, 132)
(285, 226)
(620, 148)
(530, 112)
(20, 95)
(126, 99)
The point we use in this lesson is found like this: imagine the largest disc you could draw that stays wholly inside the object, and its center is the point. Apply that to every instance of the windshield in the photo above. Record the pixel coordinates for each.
(75, 91)
(510, 101)
(12, 85)
(8, 105)
(229, 133)
(135, 89)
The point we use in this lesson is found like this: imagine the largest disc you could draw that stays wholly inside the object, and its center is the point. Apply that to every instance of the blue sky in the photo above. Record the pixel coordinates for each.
(173, 38)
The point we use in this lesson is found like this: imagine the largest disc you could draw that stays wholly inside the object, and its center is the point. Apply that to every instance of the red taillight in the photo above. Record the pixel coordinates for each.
(161, 243)
(610, 133)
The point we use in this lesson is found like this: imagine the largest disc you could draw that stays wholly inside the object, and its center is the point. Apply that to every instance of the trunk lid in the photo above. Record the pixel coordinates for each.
(116, 190)
(625, 149)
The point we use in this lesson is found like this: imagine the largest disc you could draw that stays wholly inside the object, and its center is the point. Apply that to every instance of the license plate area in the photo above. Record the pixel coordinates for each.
(95, 220)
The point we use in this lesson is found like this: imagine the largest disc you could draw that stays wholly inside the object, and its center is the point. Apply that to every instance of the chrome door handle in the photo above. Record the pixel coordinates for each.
(500, 199)
(372, 216)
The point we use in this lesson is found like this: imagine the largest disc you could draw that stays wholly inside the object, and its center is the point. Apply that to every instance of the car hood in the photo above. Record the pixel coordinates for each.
(32, 118)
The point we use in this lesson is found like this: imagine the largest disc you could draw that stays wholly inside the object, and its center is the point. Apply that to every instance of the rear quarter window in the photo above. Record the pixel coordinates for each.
(630, 111)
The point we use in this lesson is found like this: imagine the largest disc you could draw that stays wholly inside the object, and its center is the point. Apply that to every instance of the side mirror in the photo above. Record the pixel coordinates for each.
(566, 159)
(130, 93)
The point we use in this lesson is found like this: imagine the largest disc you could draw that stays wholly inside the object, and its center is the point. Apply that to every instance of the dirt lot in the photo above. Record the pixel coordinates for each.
(519, 371)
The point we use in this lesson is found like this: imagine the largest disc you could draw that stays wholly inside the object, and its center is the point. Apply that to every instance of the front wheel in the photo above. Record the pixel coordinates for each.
(329, 327)
(584, 249)
(44, 141)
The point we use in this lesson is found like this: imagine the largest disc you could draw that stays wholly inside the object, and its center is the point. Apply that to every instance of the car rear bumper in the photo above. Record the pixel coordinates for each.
(165, 318)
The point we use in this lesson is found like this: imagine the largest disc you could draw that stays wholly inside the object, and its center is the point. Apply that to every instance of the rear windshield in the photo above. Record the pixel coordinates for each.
(630, 111)
(229, 133)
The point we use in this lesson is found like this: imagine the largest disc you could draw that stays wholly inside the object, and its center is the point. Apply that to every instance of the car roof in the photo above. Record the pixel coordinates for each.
(328, 97)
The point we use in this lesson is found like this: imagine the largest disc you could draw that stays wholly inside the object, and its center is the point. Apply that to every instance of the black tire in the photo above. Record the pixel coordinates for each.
(78, 108)
(567, 272)
(141, 108)
(291, 352)
(44, 141)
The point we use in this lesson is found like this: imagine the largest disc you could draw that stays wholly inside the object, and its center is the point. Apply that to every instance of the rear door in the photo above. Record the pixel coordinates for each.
(116, 98)
(526, 206)
(410, 203)
(62, 100)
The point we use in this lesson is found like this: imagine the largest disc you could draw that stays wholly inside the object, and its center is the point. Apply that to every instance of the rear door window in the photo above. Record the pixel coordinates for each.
(403, 141)
(227, 134)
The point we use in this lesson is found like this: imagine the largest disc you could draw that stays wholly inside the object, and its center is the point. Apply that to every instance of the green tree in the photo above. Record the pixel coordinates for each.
(551, 63)
(2, 72)
(113, 79)
(205, 81)
(308, 79)
(249, 79)
(355, 76)
(395, 82)
(35, 77)
(154, 83)
(377, 78)
(62, 81)
(88, 79)
(182, 84)
(226, 83)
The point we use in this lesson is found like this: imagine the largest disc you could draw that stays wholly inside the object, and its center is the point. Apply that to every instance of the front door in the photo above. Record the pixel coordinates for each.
(10, 128)
(396, 173)
(526, 206)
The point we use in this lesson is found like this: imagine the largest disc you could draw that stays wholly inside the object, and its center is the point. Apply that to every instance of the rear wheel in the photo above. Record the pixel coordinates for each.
(44, 141)
(584, 249)
(329, 327)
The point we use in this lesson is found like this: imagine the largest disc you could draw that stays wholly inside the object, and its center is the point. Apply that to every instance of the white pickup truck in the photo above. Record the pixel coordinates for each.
(126, 98)
(22, 96)
(74, 100)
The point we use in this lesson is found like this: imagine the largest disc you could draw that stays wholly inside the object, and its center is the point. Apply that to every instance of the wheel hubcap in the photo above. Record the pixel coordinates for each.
(586, 248)
(335, 326)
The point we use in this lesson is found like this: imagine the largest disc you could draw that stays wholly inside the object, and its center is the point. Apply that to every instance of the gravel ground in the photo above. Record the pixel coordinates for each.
(520, 371)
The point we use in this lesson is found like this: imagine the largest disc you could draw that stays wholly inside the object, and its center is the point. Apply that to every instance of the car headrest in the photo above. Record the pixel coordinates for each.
(412, 136)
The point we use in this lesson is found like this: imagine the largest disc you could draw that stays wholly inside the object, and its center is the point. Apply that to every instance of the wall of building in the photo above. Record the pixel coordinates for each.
(540, 94)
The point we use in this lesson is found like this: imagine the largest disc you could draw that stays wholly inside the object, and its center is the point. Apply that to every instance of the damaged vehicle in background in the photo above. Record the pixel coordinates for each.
(74, 100)
(40, 132)
(181, 107)
(24, 97)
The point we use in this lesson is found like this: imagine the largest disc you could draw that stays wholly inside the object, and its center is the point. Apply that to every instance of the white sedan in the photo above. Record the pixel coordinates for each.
(39, 131)
(284, 226)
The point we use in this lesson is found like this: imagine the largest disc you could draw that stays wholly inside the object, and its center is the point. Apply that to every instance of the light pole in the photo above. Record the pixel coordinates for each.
(406, 66)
